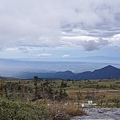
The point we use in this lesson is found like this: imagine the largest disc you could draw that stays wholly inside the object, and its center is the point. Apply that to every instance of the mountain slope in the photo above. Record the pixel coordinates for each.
(103, 73)
(106, 72)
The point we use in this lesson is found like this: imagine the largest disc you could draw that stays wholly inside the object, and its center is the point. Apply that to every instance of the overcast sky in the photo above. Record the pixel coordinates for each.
(59, 29)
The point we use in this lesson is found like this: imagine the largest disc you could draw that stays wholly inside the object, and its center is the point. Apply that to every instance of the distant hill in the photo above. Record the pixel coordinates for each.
(1, 77)
(18, 67)
(103, 73)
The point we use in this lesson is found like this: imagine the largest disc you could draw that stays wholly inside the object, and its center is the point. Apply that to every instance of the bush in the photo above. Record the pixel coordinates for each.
(111, 102)
(21, 111)
(64, 112)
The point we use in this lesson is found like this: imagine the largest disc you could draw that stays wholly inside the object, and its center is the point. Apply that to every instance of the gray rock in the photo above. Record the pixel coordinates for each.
(100, 114)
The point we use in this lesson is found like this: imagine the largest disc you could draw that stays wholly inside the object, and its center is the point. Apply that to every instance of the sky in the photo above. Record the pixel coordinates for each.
(64, 30)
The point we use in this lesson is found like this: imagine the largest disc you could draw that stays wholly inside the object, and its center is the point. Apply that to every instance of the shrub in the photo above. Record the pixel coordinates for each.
(64, 112)
(21, 111)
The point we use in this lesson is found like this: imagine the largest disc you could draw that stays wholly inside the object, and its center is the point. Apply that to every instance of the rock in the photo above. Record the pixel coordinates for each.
(100, 113)
(117, 113)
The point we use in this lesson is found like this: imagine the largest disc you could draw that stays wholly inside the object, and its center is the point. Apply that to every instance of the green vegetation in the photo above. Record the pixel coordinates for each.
(41, 99)
(21, 111)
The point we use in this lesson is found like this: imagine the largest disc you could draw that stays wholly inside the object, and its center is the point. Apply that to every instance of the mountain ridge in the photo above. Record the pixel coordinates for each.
(103, 73)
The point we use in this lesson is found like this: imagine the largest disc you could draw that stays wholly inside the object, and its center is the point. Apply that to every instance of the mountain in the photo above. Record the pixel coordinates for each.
(61, 75)
(11, 67)
(103, 73)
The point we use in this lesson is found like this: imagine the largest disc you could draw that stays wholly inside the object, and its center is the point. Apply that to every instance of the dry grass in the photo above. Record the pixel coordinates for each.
(74, 111)
(67, 109)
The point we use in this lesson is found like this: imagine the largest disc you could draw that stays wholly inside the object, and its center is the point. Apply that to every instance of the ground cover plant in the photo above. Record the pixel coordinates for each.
(21, 111)
(42, 99)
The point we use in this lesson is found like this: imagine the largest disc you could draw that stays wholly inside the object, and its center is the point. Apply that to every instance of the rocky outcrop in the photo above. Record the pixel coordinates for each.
(100, 113)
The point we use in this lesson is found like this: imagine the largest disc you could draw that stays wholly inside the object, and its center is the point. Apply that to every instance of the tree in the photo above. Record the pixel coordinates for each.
(36, 86)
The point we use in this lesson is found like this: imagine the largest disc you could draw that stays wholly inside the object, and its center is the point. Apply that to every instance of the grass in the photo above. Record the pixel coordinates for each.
(10, 110)
(16, 99)
(71, 108)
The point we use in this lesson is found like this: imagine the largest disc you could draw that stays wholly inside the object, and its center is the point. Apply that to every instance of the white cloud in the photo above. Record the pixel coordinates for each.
(66, 56)
(57, 23)
(87, 42)
(115, 40)
(43, 55)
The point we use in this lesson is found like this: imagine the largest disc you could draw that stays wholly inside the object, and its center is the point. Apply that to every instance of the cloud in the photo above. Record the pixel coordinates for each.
(87, 42)
(38, 23)
(24, 49)
(66, 56)
(43, 55)
(94, 45)
(115, 40)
